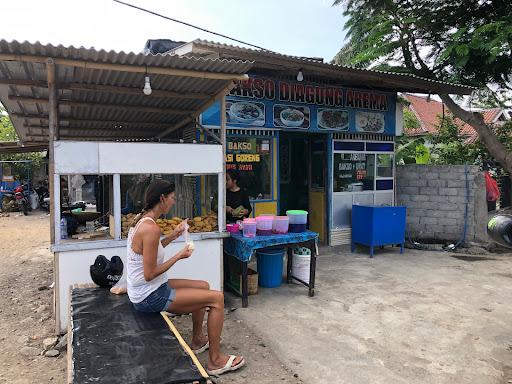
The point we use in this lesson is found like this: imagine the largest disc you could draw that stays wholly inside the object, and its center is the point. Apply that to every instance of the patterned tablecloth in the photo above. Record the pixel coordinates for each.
(243, 247)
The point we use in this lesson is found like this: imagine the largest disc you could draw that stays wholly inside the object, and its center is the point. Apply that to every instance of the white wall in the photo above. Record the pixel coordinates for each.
(74, 157)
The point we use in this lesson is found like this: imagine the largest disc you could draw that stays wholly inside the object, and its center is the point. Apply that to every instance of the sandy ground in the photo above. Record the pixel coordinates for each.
(26, 272)
(26, 315)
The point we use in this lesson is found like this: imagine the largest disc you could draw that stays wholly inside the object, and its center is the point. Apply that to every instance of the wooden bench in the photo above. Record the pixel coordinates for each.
(110, 342)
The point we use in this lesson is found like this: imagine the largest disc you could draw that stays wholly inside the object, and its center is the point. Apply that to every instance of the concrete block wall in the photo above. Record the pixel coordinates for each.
(435, 196)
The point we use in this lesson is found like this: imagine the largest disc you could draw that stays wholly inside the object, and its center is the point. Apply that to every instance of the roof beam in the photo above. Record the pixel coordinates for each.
(203, 107)
(92, 121)
(72, 103)
(104, 128)
(87, 121)
(105, 88)
(125, 67)
(65, 135)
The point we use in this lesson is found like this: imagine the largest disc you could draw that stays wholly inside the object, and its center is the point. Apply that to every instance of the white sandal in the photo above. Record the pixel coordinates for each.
(228, 367)
(202, 349)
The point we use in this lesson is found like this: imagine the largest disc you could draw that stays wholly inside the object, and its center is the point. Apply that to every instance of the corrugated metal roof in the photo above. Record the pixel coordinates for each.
(398, 82)
(90, 113)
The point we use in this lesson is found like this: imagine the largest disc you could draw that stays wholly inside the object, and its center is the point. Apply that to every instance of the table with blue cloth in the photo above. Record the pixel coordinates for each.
(243, 248)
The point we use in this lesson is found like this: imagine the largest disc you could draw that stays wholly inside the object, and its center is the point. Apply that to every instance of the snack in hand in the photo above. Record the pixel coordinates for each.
(237, 212)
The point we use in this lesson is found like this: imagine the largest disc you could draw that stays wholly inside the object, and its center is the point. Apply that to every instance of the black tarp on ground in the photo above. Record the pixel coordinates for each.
(113, 343)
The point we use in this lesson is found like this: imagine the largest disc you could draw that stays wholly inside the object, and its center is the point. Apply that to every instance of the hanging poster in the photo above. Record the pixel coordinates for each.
(291, 116)
(333, 119)
(245, 113)
(292, 106)
(370, 122)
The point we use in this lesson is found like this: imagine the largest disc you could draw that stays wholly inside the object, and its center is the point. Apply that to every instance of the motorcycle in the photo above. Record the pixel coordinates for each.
(21, 197)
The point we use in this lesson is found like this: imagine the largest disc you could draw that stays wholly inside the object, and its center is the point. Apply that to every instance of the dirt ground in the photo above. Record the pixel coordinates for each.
(26, 315)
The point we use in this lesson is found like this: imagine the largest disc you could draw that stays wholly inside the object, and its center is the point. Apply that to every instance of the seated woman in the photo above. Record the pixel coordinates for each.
(150, 291)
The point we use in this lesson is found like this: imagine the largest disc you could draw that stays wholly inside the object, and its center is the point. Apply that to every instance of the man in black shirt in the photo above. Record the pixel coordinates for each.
(237, 201)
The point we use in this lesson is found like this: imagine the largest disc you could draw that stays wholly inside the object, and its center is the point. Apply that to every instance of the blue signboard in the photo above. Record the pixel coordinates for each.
(268, 103)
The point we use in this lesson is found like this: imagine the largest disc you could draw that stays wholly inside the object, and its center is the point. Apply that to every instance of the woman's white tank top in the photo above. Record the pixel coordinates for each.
(138, 287)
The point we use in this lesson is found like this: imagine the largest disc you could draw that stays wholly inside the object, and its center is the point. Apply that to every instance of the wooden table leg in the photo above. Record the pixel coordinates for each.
(245, 289)
(312, 269)
(289, 265)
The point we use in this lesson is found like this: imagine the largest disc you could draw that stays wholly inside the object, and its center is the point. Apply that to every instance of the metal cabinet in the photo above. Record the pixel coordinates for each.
(378, 226)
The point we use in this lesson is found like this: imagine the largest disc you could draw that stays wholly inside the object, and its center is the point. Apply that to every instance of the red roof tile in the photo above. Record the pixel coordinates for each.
(430, 112)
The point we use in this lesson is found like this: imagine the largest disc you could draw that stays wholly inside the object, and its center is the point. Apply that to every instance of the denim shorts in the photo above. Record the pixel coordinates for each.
(157, 300)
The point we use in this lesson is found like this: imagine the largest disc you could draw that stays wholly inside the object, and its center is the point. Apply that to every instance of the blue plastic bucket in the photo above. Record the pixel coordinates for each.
(270, 267)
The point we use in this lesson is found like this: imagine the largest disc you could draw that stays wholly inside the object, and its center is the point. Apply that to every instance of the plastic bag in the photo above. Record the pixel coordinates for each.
(187, 238)
(121, 286)
(491, 188)
(34, 201)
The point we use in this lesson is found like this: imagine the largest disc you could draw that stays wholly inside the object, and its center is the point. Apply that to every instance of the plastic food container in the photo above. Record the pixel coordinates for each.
(249, 227)
(298, 220)
(280, 225)
(232, 228)
(264, 225)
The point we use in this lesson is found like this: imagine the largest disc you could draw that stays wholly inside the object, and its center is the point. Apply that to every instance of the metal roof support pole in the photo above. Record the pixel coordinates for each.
(53, 135)
(222, 176)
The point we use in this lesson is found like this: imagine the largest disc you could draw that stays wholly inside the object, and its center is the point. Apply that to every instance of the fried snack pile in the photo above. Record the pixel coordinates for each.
(197, 224)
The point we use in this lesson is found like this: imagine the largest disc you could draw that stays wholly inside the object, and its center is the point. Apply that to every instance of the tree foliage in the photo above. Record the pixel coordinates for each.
(8, 133)
(449, 147)
(411, 122)
(464, 41)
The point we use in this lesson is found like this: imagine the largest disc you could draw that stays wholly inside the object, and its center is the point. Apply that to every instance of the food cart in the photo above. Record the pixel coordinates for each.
(74, 256)
(101, 128)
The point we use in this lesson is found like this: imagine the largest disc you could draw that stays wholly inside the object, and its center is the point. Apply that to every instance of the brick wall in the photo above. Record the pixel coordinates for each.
(435, 196)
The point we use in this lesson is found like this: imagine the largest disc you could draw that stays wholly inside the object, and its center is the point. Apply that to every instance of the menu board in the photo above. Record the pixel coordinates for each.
(353, 171)
(272, 103)
(252, 157)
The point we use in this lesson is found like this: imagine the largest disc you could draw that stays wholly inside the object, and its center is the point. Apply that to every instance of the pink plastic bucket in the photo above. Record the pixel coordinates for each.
(249, 227)
(264, 225)
(280, 225)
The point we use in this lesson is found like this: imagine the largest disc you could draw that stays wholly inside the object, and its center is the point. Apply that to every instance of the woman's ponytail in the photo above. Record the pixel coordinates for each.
(152, 197)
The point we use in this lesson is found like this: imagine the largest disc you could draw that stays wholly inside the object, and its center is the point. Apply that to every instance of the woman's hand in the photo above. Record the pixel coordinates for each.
(186, 251)
(229, 209)
(180, 228)
(245, 212)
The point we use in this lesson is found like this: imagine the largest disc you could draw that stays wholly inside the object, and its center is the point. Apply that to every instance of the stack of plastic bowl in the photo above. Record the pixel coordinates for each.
(232, 228)
(264, 225)
(298, 220)
(249, 227)
(280, 225)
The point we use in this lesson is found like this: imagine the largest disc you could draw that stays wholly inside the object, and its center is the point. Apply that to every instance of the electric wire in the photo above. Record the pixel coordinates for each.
(190, 25)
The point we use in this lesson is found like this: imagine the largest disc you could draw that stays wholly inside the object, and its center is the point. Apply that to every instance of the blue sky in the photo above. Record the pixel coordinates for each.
(300, 27)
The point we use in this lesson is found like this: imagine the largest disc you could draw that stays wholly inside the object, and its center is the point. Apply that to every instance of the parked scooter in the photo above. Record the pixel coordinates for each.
(21, 197)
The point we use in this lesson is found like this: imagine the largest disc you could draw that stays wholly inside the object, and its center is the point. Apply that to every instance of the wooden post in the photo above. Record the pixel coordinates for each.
(53, 135)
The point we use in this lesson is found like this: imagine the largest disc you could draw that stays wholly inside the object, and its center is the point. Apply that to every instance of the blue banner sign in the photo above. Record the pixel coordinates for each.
(267, 103)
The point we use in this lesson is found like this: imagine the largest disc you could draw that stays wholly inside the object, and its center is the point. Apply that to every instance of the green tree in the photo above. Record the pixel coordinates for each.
(466, 41)
(406, 149)
(8, 133)
(411, 122)
(449, 147)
